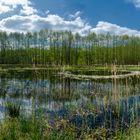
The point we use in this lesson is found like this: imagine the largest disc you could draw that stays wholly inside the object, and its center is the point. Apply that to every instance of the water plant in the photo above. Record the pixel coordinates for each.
(13, 110)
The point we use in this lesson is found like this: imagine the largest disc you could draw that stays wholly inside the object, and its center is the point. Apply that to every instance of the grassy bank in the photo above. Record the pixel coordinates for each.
(39, 129)
(67, 67)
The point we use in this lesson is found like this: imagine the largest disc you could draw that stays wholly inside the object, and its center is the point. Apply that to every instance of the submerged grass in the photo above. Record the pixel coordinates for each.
(13, 110)
(17, 126)
(21, 127)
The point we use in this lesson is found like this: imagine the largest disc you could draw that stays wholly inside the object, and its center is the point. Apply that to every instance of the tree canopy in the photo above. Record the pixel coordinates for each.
(64, 48)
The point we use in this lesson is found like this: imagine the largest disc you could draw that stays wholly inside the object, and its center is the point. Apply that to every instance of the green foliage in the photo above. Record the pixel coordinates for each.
(39, 129)
(63, 48)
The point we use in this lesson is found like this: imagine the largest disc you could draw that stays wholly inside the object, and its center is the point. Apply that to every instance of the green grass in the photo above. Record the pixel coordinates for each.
(18, 126)
(35, 129)
(66, 67)
(39, 129)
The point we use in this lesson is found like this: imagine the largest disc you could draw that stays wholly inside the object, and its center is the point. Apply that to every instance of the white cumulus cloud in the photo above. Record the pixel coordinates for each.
(106, 27)
(28, 19)
(35, 23)
(135, 2)
(11, 5)
(77, 14)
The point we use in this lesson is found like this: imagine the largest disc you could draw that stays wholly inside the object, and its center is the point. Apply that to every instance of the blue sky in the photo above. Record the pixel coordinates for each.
(101, 16)
(120, 12)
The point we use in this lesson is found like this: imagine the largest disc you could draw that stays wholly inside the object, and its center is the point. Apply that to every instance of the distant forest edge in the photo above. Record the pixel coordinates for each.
(64, 48)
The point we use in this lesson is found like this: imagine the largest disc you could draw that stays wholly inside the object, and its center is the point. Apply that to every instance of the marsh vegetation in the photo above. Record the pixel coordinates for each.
(53, 85)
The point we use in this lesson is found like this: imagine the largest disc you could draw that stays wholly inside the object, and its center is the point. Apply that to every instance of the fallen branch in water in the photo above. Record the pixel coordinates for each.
(87, 77)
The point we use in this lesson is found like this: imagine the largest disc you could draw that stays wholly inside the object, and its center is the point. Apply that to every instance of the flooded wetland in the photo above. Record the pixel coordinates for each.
(86, 104)
(60, 85)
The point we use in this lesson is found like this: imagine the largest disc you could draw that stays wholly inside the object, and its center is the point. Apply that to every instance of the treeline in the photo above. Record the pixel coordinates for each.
(63, 48)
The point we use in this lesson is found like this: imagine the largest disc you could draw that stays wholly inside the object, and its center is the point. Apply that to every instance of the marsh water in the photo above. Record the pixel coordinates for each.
(85, 103)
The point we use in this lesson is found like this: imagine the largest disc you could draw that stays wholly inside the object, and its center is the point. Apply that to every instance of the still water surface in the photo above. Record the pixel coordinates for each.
(106, 103)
